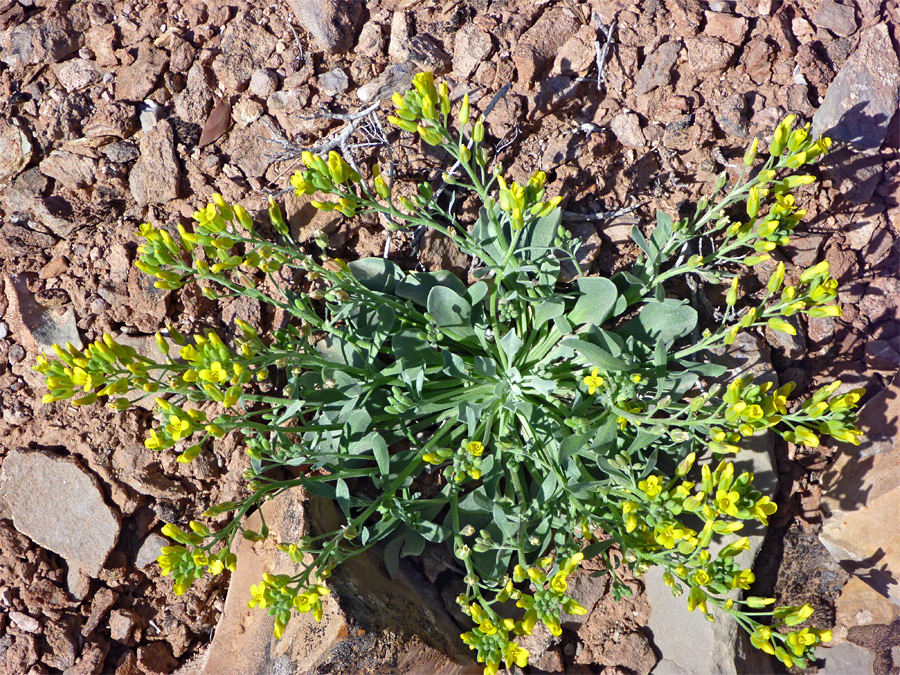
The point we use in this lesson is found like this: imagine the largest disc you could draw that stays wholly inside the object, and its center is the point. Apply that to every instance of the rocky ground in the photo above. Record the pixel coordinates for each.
(119, 112)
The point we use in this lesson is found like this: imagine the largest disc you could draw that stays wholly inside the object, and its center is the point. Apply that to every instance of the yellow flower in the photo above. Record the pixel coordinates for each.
(743, 580)
(763, 509)
(215, 373)
(726, 502)
(759, 638)
(475, 448)
(593, 381)
(668, 534)
(697, 598)
(514, 654)
(558, 582)
(702, 578)
(651, 487)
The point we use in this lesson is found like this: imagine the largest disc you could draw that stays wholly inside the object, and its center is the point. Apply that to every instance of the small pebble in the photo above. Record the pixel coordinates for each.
(27, 623)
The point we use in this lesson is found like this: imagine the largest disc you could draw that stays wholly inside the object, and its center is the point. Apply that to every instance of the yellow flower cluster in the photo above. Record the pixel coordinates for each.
(518, 200)
(103, 368)
(797, 644)
(276, 594)
(185, 564)
(424, 103)
(327, 176)
(491, 637)
(466, 460)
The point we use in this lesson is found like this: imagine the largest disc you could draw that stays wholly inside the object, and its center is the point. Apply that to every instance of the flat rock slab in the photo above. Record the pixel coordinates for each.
(846, 659)
(59, 506)
(35, 327)
(861, 499)
(688, 642)
(863, 98)
(348, 638)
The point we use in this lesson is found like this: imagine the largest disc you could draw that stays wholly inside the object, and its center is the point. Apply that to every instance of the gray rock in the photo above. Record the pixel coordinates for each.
(864, 96)
(334, 81)
(71, 170)
(60, 506)
(76, 74)
(395, 78)
(428, 54)
(839, 19)
(41, 39)
(155, 176)
(15, 151)
(24, 622)
(657, 69)
(846, 658)
(121, 152)
(371, 40)
(330, 22)
(150, 550)
(881, 356)
(627, 128)
(709, 54)
(791, 346)
(263, 82)
(401, 28)
(192, 104)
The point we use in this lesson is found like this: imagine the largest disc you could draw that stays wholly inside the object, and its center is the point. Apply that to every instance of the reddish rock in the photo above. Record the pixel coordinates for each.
(21, 655)
(657, 68)
(101, 41)
(577, 55)
(42, 39)
(155, 177)
(627, 128)
(471, 46)
(330, 22)
(136, 81)
(727, 27)
(861, 492)
(245, 48)
(537, 48)
(117, 118)
(62, 644)
(243, 643)
(71, 170)
(861, 605)
(103, 601)
(708, 54)
(124, 626)
(15, 151)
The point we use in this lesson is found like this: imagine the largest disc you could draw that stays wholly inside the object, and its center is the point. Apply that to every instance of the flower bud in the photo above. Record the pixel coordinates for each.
(750, 155)
(464, 111)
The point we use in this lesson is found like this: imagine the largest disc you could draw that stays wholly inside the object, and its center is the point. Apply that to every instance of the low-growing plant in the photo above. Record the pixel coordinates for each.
(526, 423)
